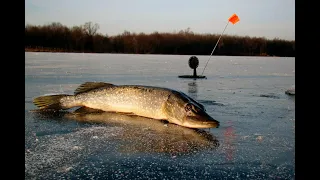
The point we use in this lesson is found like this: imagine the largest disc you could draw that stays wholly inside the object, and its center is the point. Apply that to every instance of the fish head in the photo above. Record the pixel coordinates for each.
(185, 112)
(195, 117)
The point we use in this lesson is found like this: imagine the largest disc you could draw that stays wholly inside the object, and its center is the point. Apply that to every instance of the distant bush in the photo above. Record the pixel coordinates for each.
(56, 37)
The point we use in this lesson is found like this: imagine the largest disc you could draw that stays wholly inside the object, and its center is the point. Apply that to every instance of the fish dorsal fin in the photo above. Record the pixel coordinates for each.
(88, 86)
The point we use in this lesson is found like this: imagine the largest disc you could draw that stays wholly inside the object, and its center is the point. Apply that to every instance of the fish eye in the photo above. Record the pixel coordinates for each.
(188, 107)
(192, 108)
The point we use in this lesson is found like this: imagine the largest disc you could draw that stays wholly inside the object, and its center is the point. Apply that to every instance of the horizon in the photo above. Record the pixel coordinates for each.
(201, 17)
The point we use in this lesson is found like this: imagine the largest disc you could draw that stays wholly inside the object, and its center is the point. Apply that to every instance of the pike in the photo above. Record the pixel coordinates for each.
(146, 101)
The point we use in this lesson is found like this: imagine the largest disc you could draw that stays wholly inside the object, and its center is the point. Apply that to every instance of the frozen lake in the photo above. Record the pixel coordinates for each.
(255, 140)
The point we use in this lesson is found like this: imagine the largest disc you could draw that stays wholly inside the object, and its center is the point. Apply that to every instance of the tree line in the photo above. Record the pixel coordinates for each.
(86, 38)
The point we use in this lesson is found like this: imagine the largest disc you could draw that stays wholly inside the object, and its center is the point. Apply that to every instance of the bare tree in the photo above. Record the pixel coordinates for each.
(90, 28)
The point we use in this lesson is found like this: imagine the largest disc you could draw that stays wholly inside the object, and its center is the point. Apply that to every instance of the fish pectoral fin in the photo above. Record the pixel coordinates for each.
(88, 86)
(164, 121)
(86, 110)
(127, 113)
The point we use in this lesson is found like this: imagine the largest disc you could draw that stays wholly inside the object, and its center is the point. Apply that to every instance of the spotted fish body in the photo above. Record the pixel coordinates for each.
(142, 101)
(146, 101)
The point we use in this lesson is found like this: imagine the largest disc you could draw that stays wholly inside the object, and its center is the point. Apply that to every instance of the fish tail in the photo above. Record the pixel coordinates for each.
(50, 101)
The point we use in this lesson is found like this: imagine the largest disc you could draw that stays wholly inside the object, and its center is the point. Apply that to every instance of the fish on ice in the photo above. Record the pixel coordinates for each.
(146, 101)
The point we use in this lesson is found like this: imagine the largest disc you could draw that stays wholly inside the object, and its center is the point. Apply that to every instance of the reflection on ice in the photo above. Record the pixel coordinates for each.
(108, 133)
(146, 135)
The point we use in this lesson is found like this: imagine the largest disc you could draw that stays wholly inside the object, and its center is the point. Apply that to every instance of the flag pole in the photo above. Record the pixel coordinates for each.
(233, 19)
(214, 48)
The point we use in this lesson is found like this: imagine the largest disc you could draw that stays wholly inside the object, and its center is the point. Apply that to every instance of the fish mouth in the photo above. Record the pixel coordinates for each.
(201, 122)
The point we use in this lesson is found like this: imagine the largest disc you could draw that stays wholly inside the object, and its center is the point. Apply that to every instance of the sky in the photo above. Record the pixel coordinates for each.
(258, 18)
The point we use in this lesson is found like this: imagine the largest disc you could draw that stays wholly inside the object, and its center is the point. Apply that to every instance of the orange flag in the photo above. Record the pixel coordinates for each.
(234, 19)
